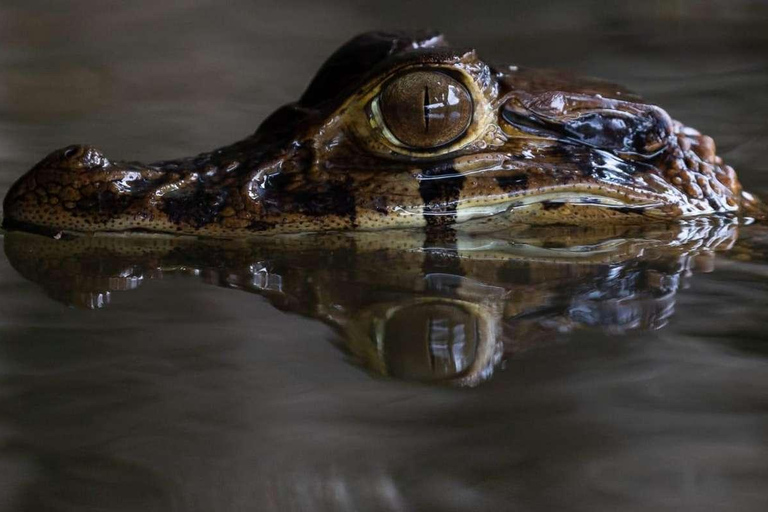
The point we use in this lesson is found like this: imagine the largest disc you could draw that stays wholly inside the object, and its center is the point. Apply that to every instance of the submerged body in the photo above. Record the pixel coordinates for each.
(397, 131)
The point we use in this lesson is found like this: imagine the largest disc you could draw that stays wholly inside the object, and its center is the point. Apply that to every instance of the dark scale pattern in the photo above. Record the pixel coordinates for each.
(440, 196)
(197, 208)
(513, 183)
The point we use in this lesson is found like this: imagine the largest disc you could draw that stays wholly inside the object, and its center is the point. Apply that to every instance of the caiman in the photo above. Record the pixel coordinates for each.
(404, 130)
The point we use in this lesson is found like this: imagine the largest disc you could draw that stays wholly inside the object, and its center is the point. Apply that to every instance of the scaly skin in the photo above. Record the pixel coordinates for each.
(541, 148)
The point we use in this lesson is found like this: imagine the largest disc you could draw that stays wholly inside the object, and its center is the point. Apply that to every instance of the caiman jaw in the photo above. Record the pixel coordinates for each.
(546, 191)
(78, 189)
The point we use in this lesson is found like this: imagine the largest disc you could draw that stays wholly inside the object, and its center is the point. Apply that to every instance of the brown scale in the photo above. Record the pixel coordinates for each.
(701, 174)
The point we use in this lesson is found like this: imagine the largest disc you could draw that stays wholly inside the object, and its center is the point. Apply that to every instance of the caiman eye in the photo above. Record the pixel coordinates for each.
(426, 109)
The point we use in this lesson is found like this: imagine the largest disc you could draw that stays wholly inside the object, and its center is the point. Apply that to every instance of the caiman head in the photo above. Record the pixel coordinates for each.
(403, 130)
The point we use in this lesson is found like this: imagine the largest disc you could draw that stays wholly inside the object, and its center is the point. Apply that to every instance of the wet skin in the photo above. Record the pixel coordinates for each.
(403, 130)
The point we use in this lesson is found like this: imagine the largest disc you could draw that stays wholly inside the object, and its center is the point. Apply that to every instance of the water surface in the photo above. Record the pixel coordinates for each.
(534, 370)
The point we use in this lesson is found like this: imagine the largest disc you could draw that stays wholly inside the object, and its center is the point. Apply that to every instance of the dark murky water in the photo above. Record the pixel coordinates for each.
(622, 370)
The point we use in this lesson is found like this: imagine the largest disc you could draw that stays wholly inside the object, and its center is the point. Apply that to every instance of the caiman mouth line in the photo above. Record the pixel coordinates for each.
(586, 199)
(627, 201)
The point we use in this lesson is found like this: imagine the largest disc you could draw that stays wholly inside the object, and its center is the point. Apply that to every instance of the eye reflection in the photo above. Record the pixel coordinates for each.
(430, 341)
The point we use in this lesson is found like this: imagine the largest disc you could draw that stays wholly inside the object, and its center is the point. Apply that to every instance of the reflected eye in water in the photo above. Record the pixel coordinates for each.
(426, 109)
(430, 341)
(436, 340)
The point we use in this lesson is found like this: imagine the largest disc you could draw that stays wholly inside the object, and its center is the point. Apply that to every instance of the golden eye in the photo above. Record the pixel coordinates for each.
(426, 109)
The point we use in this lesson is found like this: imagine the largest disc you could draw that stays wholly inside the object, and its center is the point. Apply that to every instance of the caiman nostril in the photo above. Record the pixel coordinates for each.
(71, 151)
(79, 157)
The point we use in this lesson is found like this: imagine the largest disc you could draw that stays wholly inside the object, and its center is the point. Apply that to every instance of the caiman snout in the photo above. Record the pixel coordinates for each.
(72, 188)
(78, 189)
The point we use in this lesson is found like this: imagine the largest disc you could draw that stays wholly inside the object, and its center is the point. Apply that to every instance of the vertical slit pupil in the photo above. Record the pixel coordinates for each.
(425, 109)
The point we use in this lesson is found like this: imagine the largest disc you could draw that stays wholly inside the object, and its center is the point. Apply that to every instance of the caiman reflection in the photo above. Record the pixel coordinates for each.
(404, 305)
(404, 130)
